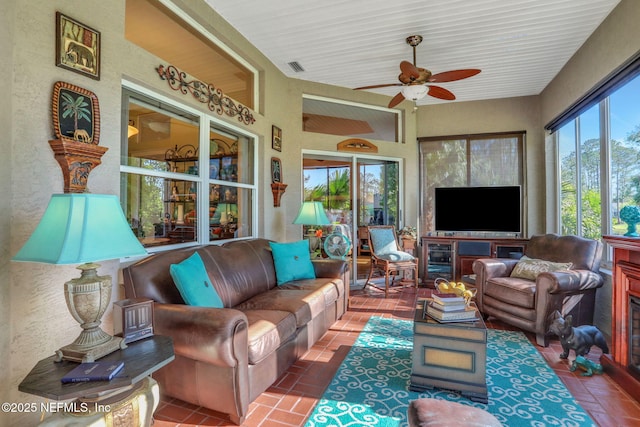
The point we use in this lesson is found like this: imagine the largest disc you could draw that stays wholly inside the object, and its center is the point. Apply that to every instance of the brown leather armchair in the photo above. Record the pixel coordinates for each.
(529, 304)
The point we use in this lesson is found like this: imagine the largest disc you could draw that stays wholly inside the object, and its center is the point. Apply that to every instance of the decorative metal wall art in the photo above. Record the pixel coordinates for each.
(206, 93)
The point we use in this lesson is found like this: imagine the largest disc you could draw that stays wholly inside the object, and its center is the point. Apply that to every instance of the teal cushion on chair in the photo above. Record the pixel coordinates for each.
(292, 261)
(383, 240)
(192, 280)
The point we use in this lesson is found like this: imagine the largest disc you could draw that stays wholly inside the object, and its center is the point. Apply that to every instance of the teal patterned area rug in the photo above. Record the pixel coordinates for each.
(371, 387)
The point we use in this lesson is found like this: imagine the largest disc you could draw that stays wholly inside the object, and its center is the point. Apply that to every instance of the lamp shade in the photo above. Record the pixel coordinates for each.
(78, 228)
(414, 92)
(312, 213)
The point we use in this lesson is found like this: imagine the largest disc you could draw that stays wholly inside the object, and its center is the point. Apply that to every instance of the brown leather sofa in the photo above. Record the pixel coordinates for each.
(529, 304)
(226, 357)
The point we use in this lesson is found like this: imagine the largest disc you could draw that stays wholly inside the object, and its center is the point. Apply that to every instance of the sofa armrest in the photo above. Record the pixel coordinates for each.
(329, 268)
(218, 336)
(570, 281)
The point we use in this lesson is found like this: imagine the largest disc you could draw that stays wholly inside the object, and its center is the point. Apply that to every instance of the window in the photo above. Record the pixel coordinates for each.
(180, 184)
(350, 119)
(589, 205)
(162, 29)
(467, 161)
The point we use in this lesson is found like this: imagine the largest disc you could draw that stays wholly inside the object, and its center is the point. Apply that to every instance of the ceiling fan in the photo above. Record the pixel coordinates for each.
(414, 80)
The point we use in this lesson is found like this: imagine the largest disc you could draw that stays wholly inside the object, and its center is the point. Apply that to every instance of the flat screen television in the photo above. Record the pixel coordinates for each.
(478, 209)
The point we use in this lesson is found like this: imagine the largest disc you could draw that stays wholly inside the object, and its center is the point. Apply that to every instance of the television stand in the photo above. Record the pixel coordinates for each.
(451, 257)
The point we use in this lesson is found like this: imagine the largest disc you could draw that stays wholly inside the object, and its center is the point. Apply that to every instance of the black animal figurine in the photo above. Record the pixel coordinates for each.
(580, 338)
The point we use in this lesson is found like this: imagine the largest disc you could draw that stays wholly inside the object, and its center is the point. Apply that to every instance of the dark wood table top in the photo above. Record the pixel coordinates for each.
(141, 358)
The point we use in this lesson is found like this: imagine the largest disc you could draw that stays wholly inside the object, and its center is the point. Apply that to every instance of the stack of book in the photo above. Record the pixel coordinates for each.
(450, 308)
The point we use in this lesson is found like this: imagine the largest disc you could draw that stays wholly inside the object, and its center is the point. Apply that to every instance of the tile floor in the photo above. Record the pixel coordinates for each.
(292, 398)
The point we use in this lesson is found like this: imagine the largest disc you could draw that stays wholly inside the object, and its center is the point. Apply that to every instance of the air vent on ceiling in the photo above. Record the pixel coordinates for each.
(295, 66)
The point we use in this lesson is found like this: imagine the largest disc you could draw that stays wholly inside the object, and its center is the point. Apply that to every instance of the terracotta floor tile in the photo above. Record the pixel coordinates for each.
(293, 396)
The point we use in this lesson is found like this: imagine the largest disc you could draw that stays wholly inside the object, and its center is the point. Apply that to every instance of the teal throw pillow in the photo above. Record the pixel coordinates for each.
(292, 261)
(192, 280)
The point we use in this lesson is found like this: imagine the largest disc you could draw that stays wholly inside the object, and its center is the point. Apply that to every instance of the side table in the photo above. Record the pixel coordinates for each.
(451, 356)
(119, 399)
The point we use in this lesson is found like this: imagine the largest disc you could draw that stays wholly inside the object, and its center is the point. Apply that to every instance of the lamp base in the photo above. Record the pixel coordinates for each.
(87, 298)
(75, 353)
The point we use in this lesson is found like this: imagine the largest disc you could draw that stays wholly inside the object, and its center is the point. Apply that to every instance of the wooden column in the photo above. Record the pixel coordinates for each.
(625, 283)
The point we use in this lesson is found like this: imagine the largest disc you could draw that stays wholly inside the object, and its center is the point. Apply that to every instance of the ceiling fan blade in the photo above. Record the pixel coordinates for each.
(441, 93)
(451, 76)
(409, 70)
(377, 86)
(396, 100)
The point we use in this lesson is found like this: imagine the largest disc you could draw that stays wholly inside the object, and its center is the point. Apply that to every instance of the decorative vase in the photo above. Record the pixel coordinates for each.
(631, 230)
(631, 216)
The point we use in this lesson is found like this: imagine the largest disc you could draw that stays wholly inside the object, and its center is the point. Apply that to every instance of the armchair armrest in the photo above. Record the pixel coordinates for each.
(570, 281)
(487, 268)
(329, 268)
(560, 287)
(218, 336)
(494, 267)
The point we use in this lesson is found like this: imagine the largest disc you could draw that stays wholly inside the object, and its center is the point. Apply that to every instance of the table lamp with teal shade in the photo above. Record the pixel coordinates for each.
(83, 228)
(312, 213)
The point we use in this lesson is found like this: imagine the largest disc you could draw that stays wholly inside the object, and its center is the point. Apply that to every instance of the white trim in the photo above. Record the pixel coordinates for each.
(354, 190)
(205, 123)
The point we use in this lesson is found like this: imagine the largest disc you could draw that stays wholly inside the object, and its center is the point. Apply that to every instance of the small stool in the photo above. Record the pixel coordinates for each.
(435, 412)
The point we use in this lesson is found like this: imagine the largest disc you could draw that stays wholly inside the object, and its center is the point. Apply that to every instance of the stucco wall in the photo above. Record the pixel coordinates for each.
(6, 67)
(39, 319)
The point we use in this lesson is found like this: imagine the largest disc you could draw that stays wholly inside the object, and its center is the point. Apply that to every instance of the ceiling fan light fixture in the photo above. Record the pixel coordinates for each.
(131, 129)
(414, 92)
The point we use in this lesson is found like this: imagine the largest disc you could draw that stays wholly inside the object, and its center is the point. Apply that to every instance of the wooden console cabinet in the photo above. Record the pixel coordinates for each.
(451, 257)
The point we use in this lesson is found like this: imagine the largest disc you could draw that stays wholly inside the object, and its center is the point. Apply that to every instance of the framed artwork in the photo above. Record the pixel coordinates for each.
(276, 138)
(76, 114)
(77, 47)
(276, 170)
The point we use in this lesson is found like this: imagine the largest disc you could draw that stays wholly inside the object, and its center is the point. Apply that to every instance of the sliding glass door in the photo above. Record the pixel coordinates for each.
(355, 192)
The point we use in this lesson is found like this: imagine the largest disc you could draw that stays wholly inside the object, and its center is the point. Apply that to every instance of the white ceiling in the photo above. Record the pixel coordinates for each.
(519, 45)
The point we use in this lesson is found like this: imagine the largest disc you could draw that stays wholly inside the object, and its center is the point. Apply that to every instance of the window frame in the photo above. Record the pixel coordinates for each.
(426, 223)
(202, 180)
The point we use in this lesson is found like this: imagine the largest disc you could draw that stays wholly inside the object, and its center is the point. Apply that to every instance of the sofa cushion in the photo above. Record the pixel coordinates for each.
(304, 304)
(292, 261)
(194, 284)
(514, 290)
(331, 290)
(529, 268)
(268, 330)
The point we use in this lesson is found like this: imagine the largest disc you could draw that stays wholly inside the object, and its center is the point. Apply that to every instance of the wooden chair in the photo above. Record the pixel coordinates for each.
(387, 256)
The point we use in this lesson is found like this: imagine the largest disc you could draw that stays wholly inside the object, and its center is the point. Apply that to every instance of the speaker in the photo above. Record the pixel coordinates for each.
(133, 319)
